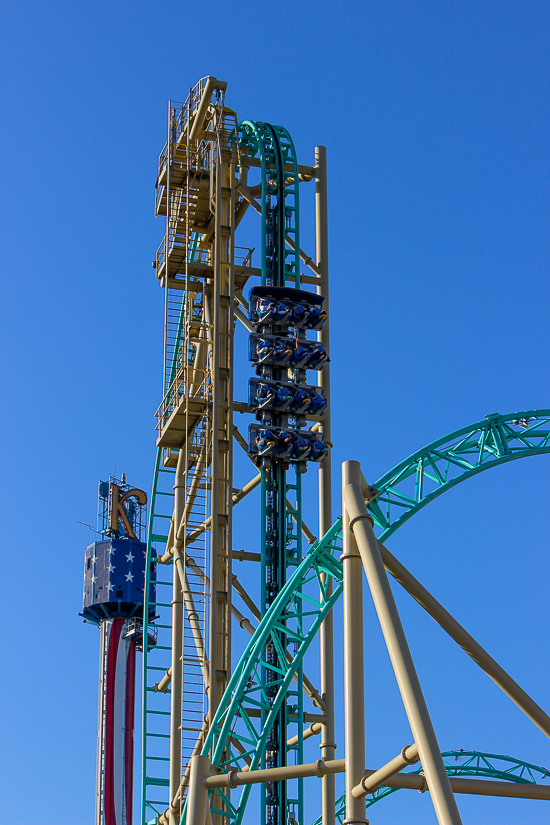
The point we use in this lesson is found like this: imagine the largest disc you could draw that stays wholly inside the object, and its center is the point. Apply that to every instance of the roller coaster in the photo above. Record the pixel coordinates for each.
(214, 729)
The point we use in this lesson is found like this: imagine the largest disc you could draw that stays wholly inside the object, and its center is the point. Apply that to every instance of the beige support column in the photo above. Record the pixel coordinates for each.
(326, 633)
(177, 649)
(197, 799)
(409, 686)
(222, 428)
(354, 684)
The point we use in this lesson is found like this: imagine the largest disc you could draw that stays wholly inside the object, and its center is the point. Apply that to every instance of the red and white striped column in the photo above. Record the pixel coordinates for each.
(115, 746)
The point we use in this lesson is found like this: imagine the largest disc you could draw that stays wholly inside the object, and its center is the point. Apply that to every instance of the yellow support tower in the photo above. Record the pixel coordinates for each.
(195, 264)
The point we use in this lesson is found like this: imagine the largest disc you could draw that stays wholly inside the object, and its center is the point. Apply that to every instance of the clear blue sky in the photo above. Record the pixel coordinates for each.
(435, 116)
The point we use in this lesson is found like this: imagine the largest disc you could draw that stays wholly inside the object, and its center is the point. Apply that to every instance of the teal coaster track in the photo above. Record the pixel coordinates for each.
(264, 696)
(485, 444)
(281, 538)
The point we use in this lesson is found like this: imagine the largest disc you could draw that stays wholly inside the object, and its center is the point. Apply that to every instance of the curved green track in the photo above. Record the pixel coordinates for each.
(433, 470)
(444, 463)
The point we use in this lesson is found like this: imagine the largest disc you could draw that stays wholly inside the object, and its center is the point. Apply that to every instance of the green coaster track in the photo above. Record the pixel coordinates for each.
(444, 463)
(488, 443)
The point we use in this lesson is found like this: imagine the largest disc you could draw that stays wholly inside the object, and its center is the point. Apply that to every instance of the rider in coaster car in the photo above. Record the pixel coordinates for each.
(318, 450)
(317, 356)
(281, 312)
(300, 397)
(284, 442)
(281, 350)
(318, 404)
(298, 352)
(300, 447)
(265, 309)
(299, 314)
(266, 440)
(264, 393)
(316, 315)
(281, 396)
(263, 348)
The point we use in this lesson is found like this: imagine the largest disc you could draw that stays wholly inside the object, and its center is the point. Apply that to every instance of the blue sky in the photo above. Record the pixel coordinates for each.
(436, 121)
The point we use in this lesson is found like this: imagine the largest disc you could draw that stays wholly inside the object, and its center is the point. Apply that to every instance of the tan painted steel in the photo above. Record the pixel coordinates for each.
(197, 800)
(466, 641)
(480, 787)
(354, 685)
(177, 652)
(368, 784)
(326, 633)
(409, 686)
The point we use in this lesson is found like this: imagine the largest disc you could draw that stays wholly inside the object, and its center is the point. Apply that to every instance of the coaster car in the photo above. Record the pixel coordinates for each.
(286, 307)
(280, 396)
(280, 352)
(294, 446)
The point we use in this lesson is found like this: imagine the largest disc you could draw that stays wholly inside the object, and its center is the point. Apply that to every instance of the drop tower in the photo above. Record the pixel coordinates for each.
(114, 581)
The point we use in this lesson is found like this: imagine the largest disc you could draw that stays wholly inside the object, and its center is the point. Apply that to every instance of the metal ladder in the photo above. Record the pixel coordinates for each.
(157, 660)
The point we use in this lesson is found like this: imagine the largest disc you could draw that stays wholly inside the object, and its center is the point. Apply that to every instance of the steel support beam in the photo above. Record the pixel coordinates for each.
(176, 692)
(479, 787)
(408, 756)
(415, 706)
(326, 633)
(465, 640)
(197, 797)
(354, 681)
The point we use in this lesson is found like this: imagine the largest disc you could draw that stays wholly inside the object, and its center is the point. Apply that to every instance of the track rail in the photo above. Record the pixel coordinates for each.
(444, 463)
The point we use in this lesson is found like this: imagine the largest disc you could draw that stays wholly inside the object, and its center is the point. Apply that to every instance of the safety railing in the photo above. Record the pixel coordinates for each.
(177, 393)
(195, 254)
(180, 115)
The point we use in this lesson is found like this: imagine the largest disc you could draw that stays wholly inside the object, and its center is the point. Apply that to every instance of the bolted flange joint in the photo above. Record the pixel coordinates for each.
(232, 779)
(319, 765)
(406, 759)
(357, 518)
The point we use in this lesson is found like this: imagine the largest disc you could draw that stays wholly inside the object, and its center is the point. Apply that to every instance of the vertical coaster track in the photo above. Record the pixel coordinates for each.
(280, 542)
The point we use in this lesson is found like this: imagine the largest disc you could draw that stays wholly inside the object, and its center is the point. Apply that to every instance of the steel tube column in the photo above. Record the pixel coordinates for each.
(354, 687)
(222, 429)
(326, 633)
(415, 706)
(197, 800)
(177, 650)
